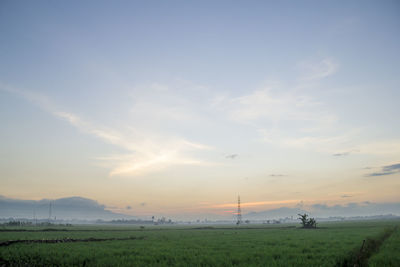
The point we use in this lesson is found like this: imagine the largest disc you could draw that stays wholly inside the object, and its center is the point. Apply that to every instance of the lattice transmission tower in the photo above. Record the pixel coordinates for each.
(239, 213)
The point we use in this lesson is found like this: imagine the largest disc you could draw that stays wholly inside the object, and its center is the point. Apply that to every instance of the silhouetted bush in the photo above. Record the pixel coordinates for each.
(307, 222)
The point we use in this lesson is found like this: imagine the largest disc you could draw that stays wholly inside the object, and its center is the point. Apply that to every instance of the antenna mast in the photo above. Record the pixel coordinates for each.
(239, 213)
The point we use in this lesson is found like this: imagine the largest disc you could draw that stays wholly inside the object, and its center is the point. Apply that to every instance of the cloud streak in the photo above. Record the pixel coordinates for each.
(341, 154)
(318, 70)
(393, 167)
(386, 170)
(285, 115)
(263, 104)
(346, 196)
(144, 151)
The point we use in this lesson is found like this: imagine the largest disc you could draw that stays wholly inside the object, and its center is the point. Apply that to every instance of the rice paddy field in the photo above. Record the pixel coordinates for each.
(332, 244)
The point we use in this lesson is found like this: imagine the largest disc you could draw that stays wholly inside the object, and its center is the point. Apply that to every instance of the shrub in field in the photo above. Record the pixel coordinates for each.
(307, 222)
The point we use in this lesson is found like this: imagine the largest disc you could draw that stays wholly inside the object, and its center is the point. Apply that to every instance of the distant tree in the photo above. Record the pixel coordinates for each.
(307, 222)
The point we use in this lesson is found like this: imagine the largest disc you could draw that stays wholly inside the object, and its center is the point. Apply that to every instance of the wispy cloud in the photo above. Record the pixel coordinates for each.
(341, 154)
(346, 153)
(107, 135)
(265, 104)
(144, 151)
(346, 196)
(320, 143)
(379, 174)
(386, 170)
(318, 70)
(311, 141)
(393, 167)
(284, 115)
(231, 156)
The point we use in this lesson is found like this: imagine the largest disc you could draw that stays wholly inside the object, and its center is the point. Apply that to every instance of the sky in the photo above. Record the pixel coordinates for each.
(178, 107)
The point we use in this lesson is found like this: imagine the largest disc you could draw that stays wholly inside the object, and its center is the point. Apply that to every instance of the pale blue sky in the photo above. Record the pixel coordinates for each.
(129, 102)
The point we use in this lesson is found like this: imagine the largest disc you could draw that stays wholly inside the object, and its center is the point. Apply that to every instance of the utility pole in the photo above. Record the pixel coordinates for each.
(34, 214)
(49, 211)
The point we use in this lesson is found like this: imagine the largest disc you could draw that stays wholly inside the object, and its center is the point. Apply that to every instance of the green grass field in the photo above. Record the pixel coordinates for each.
(255, 245)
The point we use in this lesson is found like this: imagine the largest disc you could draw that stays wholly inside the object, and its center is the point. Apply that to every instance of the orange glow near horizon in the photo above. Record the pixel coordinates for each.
(255, 204)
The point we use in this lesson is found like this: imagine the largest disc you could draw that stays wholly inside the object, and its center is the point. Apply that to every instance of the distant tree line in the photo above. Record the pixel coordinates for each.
(162, 220)
(28, 223)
